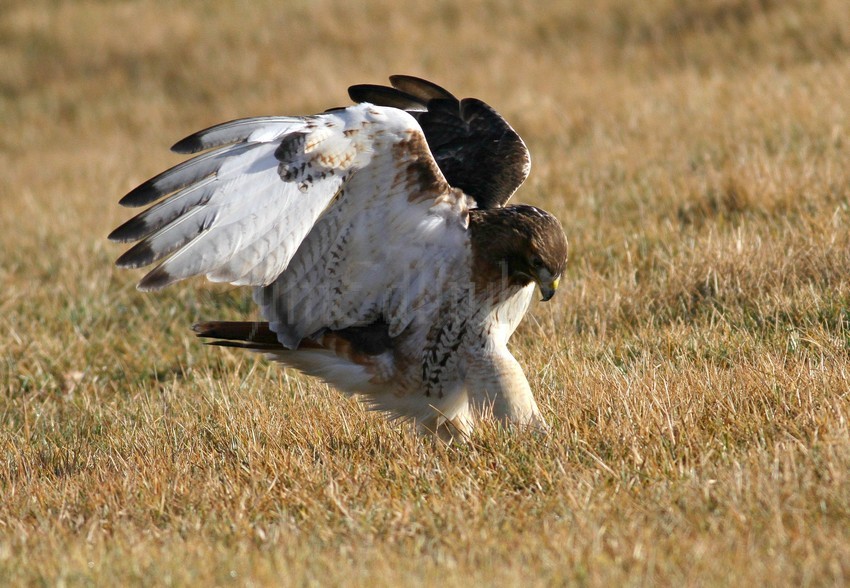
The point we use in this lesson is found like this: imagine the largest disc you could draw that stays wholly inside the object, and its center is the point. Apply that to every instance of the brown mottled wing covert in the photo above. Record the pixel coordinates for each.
(475, 148)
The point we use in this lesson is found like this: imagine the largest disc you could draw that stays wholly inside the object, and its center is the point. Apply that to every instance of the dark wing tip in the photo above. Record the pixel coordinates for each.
(140, 255)
(132, 230)
(384, 96)
(191, 144)
(141, 195)
(156, 279)
(474, 146)
(407, 93)
(421, 89)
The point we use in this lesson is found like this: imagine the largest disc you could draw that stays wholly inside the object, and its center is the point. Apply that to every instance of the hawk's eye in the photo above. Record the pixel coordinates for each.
(536, 262)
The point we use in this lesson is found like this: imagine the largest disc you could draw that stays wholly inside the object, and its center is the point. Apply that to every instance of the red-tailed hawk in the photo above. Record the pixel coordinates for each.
(378, 244)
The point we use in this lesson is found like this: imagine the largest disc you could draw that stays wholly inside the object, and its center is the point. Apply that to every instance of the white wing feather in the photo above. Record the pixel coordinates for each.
(338, 219)
(232, 217)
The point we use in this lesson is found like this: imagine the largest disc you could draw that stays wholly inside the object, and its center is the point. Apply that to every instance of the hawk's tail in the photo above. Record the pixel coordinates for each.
(246, 335)
(361, 341)
(358, 360)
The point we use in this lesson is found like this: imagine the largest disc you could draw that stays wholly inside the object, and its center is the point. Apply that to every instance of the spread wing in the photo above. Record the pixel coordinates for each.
(337, 219)
(475, 148)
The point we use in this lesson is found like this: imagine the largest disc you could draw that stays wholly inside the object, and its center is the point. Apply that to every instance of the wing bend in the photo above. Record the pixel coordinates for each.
(239, 212)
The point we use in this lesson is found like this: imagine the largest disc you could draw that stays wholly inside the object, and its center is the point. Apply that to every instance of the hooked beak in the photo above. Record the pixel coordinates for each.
(547, 284)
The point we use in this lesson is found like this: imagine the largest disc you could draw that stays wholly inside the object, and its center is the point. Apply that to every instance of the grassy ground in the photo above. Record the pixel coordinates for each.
(694, 365)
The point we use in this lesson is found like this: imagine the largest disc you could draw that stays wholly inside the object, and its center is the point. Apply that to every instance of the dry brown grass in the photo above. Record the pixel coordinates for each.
(695, 365)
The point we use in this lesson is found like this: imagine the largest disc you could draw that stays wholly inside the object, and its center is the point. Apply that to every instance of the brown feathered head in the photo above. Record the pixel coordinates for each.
(521, 243)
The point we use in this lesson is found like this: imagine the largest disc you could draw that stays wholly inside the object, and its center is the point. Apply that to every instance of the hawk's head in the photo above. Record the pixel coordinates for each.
(522, 243)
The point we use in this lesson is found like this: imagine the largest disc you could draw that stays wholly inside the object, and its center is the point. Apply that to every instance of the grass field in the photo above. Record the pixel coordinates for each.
(694, 365)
